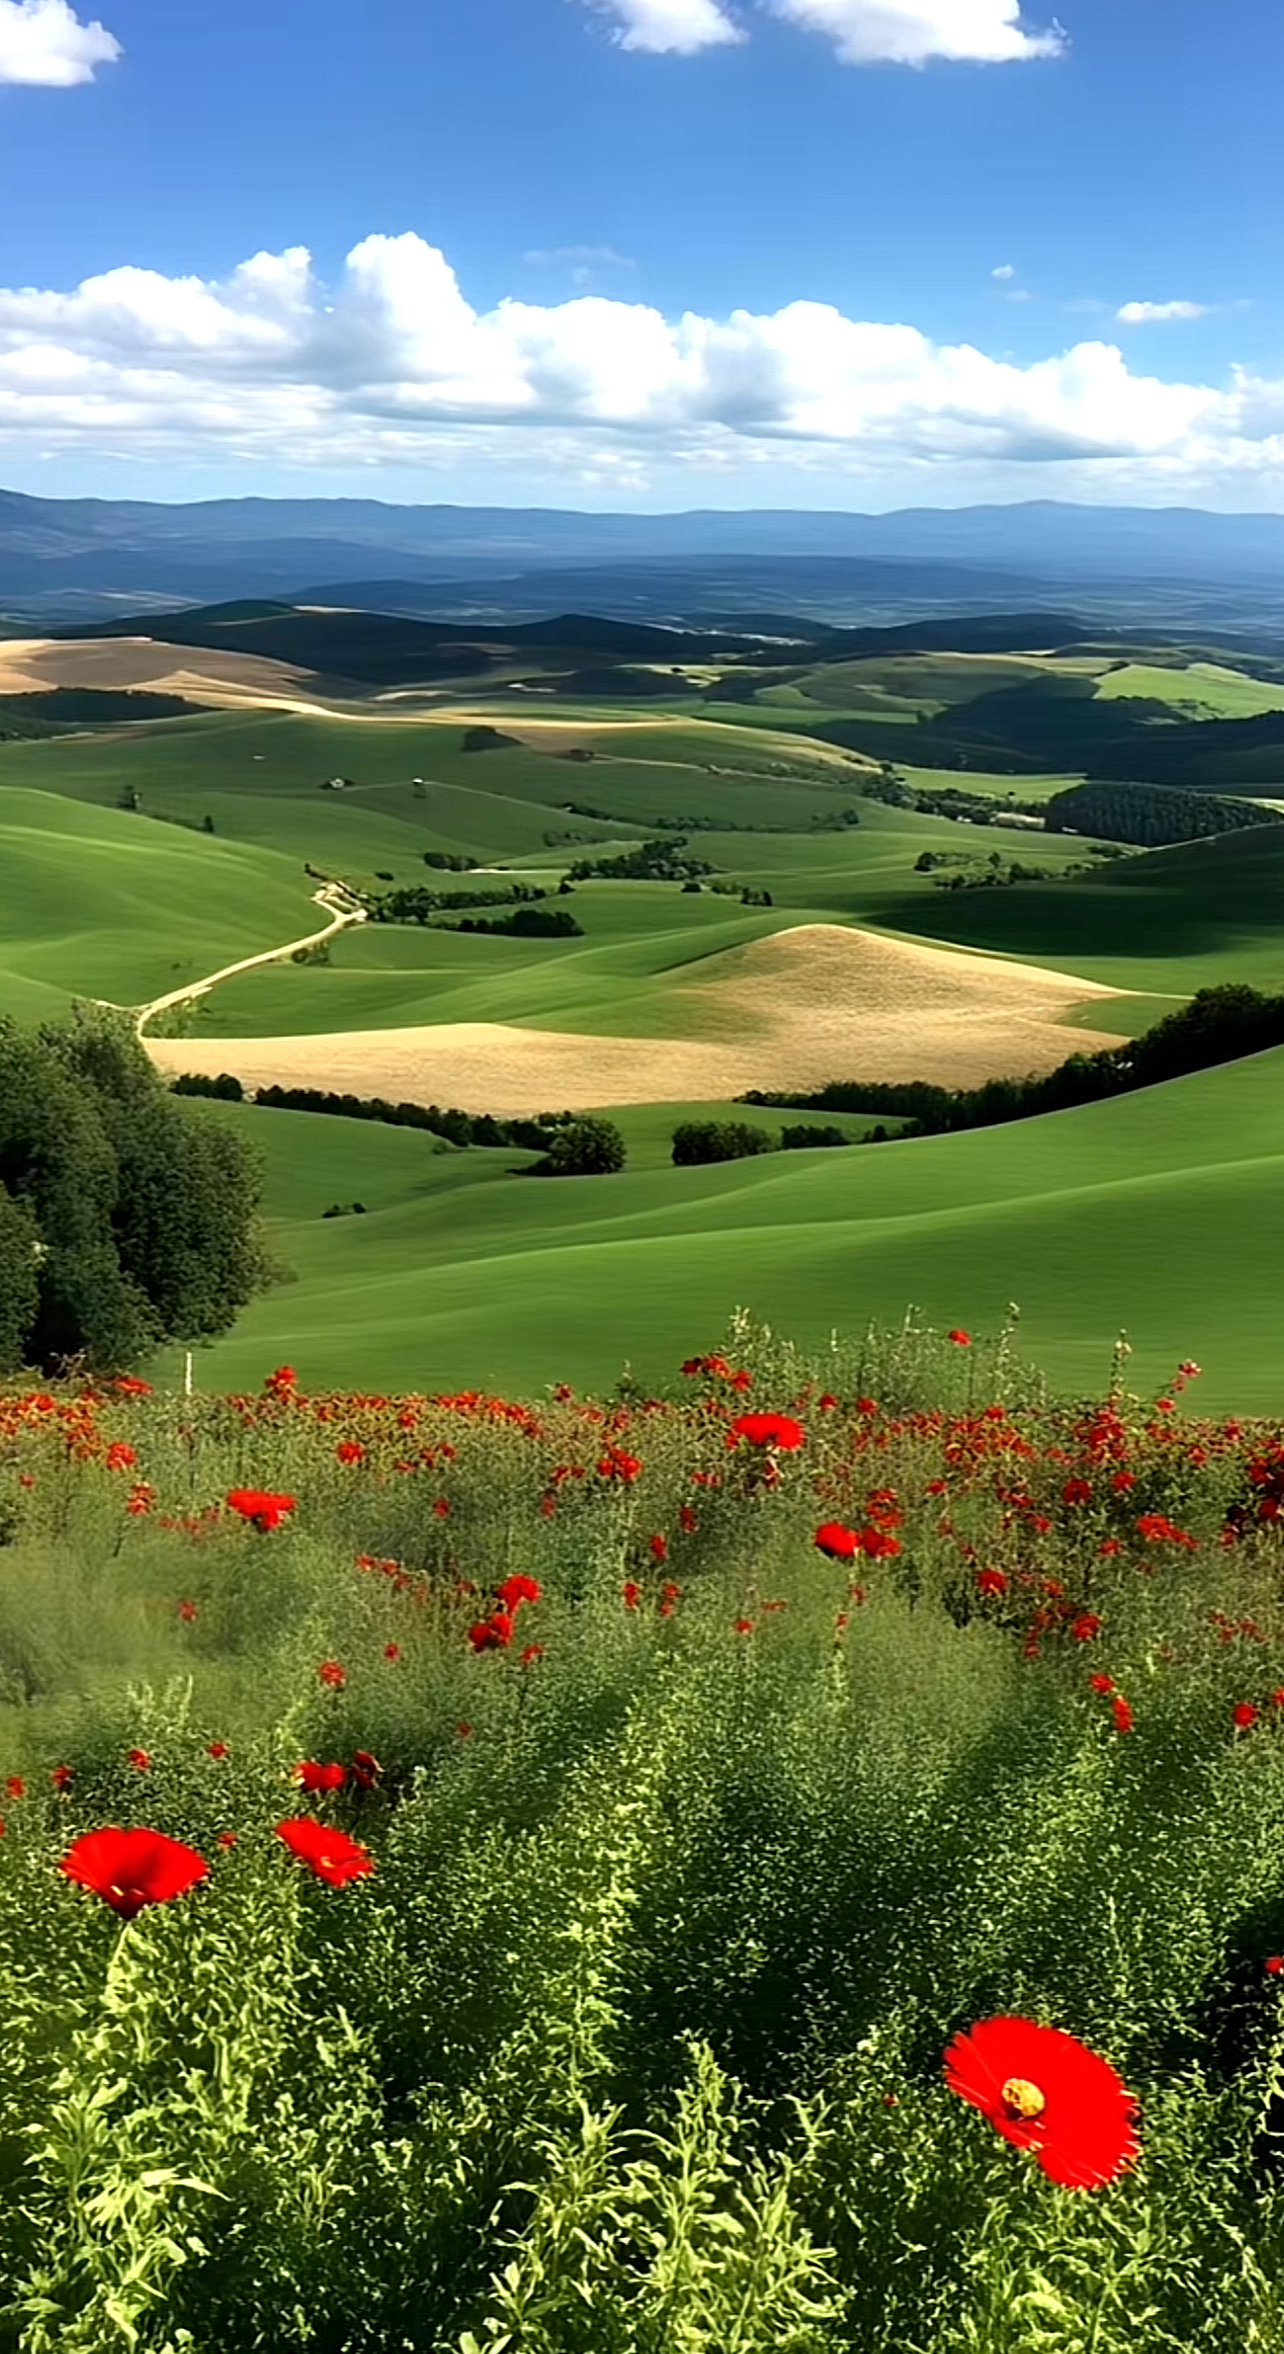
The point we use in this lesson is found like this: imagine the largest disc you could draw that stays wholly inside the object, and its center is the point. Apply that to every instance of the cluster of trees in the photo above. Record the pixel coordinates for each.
(698, 1143)
(1217, 1026)
(456, 1127)
(1151, 815)
(651, 862)
(447, 863)
(417, 903)
(125, 1220)
(584, 1147)
(526, 923)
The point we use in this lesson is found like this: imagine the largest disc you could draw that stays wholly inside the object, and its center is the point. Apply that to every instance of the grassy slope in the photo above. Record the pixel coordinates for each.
(1159, 1213)
(99, 903)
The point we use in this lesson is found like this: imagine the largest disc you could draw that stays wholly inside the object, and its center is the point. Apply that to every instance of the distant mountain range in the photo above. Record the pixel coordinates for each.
(68, 559)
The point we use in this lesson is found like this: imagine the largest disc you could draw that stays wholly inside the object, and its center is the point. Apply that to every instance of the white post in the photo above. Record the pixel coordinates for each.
(187, 1385)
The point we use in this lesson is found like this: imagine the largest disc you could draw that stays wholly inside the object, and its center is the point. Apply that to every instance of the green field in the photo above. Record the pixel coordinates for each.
(1203, 690)
(1159, 1212)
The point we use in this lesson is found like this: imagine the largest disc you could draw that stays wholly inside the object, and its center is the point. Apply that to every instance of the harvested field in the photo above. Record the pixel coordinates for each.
(30, 666)
(807, 1005)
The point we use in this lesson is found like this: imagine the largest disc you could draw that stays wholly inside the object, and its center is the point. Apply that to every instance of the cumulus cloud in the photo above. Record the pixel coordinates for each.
(1142, 314)
(1004, 270)
(44, 42)
(392, 367)
(679, 27)
(914, 32)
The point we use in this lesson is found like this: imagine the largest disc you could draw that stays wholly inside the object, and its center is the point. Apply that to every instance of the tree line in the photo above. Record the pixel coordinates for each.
(1151, 816)
(1218, 1025)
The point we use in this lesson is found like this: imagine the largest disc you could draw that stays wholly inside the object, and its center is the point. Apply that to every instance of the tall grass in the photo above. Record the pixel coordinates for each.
(631, 2041)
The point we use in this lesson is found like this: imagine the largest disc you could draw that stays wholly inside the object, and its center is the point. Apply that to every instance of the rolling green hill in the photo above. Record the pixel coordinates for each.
(1159, 1212)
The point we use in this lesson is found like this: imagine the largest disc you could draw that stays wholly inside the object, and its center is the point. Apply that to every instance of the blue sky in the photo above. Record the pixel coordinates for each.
(645, 253)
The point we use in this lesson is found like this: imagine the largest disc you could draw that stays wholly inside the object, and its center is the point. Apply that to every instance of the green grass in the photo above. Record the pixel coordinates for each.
(1202, 690)
(97, 903)
(1158, 1212)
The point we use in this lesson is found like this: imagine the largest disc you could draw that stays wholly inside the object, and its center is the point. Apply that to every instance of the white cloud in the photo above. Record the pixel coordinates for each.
(43, 41)
(912, 32)
(1142, 314)
(1004, 270)
(678, 27)
(392, 368)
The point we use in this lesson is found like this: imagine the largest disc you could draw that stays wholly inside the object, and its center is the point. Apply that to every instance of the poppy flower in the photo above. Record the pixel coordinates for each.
(1273, 1965)
(392, 1650)
(1102, 1683)
(1086, 1626)
(365, 1769)
(227, 1839)
(259, 1507)
(1046, 2092)
(1243, 1715)
(837, 1542)
(62, 1777)
(349, 1451)
(961, 1340)
(187, 1611)
(311, 1776)
(516, 1590)
(659, 1548)
(130, 1869)
(15, 1787)
(492, 1634)
(529, 1656)
(1122, 1714)
(769, 1430)
(332, 1674)
(141, 1759)
(329, 1853)
(991, 1581)
(217, 1749)
(632, 1593)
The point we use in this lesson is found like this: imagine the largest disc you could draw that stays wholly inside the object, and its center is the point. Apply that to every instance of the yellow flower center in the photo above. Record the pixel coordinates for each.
(1022, 2099)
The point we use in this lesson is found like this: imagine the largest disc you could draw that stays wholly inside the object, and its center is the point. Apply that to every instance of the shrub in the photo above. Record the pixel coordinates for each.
(698, 1141)
(585, 1148)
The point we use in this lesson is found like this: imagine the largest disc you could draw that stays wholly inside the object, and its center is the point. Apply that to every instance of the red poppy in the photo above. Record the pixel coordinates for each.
(1273, 1965)
(365, 1769)
(392, 1650)
(330, 1853)
(961, 1340)
(1102, 1683)
(141, 1759)
(516, 1590)
(227, 1839)
(349, 1451)
(1086, 1626)
(687, 1519)
(1122, 1714)
(492, 1634)
(217, 1749)
(15, 1787)
(1046, 2092)
(659, 1548)
(130, 1869)
(991, 1581)
(632, 1592)
(839, 1543)
(120, 1457)
(332, 1674)
(259, 1507)
(744, 1626)
(62, 1777)
(529, 1656)
(1243, 1715)
(187, 1611)
(311, 1776)
(769, 1430)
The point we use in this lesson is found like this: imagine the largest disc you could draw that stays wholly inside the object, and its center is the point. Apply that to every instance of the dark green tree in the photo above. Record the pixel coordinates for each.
(584, 1148)
(20, 1250)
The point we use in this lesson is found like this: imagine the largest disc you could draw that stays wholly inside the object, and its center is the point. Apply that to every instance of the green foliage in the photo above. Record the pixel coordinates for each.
(698, 1141)
(1151, 815)
(587, 1147)
(145, 1217)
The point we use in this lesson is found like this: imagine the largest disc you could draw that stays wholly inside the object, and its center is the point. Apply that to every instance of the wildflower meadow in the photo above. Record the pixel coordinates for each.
(790, 1863)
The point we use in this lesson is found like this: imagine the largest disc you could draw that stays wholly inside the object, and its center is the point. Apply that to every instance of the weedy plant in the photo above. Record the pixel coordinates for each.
(795, 1862)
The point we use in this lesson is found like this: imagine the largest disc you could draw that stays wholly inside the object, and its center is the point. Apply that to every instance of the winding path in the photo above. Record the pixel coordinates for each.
(332, 897)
